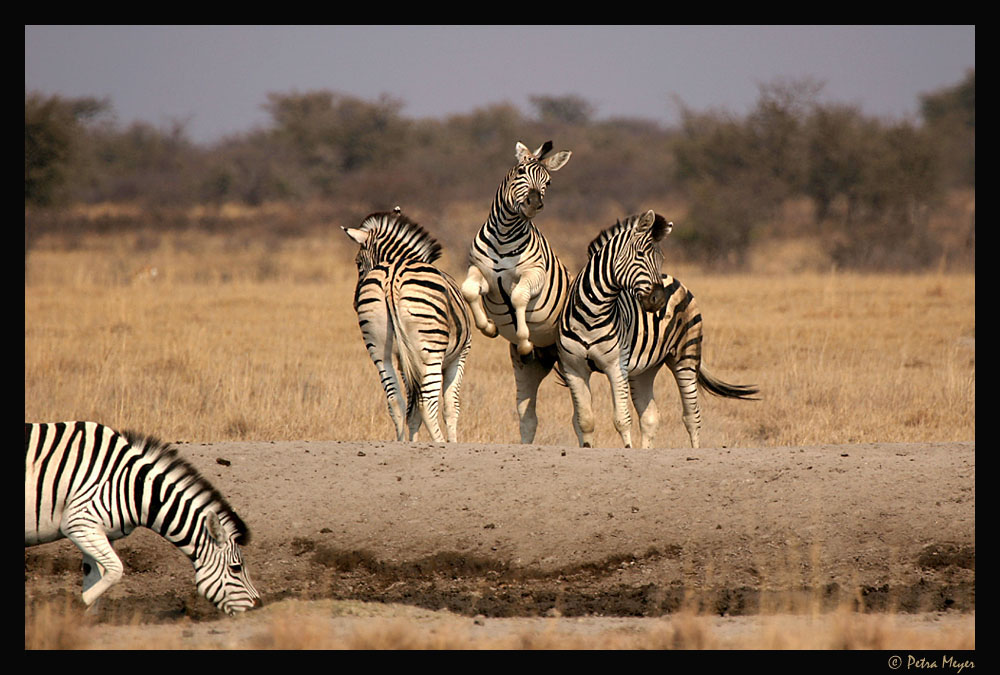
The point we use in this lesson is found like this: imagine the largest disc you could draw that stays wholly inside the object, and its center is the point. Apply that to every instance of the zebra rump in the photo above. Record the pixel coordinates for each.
(410, 312)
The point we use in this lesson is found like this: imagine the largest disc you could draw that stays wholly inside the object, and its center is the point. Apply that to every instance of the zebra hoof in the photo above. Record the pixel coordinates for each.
(490, 330)
(586, 445)
(525, 347)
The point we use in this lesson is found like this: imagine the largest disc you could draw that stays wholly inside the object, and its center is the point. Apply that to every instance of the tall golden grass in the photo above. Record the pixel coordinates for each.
(208, 337)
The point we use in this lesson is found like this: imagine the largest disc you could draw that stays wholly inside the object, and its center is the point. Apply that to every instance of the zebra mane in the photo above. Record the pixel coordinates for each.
(601, 239)
(154, 449)
(404, 237)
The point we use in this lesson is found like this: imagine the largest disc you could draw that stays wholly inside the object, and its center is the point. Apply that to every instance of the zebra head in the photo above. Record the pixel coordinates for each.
(387, 236)
(637, 259)
(523, 189)
(219, 572)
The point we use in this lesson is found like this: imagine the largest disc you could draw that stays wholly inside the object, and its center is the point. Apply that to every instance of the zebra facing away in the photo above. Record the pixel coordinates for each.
(516, 286)
(92, 485)
(627, 320)
(412, 313)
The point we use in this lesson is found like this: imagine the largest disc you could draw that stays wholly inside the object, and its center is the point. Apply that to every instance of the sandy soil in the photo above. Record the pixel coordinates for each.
(499, 533)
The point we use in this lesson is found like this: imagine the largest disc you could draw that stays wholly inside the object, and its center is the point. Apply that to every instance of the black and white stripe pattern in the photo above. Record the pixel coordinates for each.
(516, 286)
(92, 485)
(627, 320)
(412, 313)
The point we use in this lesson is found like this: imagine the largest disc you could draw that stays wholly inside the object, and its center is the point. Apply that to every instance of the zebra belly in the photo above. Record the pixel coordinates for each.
(542, 332)
(41, 517)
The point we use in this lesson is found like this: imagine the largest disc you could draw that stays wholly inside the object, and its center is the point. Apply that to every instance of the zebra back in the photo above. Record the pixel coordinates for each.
(385, 236)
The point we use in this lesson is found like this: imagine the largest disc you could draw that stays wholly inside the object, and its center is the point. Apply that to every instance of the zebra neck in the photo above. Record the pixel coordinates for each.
(170, 499)
(507, 225)
(598, 298)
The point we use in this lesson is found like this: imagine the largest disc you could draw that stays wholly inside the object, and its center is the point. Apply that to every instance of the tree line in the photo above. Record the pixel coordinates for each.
(873, 181)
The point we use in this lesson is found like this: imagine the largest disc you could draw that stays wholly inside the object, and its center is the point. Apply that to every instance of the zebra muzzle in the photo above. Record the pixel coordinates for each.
(655, 299)
(533, 203)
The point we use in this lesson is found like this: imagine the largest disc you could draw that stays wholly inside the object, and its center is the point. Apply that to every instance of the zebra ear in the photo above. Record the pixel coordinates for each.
(543, 149)
(359, 236)
(521, 152)
(661, 227)
(215, 529)
(556, 161)
(645, 222)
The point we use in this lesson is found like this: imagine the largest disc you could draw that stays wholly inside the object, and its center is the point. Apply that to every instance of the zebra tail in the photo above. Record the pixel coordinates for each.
(720, 388)
(406, 353)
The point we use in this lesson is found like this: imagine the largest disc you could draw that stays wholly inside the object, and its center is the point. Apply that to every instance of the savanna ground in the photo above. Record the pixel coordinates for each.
(839, 511)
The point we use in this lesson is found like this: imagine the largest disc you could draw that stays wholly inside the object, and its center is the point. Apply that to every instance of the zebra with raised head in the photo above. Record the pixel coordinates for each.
(412, 313)
(92, 485)
(627, 320)
(516, 286)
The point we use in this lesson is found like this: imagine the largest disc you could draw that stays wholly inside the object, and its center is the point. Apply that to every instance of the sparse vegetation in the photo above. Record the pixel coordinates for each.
(873, 186)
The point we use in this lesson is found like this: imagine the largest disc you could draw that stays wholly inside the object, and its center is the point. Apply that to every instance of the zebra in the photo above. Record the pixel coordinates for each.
(516, 286)
(627, 320)
(409, 309)
(91, 484)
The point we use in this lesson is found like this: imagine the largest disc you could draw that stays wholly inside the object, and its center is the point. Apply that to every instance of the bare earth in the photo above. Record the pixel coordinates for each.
(508, 535)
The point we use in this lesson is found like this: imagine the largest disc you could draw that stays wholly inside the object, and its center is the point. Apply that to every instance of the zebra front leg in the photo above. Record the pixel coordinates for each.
(620, 396)
(521, 294)
(105, 567)
(645, 406)
(578, 381)
(474, 288)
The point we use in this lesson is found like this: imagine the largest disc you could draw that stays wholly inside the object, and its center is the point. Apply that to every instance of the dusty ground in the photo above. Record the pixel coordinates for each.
(497, 533)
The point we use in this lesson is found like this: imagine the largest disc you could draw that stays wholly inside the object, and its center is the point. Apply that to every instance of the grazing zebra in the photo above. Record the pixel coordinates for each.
(516, 286)
(627, 320)
(92, 485)
(409, 309)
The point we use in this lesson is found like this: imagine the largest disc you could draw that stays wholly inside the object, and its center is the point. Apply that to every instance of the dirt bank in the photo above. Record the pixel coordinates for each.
(535, 531)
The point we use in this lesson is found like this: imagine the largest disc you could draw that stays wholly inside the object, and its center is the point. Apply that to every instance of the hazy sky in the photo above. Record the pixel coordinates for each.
(216, 79)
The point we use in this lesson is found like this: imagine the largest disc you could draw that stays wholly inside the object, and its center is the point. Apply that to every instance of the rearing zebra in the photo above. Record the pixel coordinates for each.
(91, 484)
(409, 309)
(516, 286)
(627, 320)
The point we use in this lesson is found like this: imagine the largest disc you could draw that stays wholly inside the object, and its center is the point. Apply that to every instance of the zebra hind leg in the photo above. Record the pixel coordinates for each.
(453, 374)
(529, 371)
(687, 385)
(645, 407)
(427, 401)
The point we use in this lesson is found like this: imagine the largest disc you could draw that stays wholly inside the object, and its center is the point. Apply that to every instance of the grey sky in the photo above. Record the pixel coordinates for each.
(216, 79)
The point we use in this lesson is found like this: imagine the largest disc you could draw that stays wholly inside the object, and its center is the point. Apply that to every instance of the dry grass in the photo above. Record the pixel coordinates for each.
(297, 625)
(236, 338)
